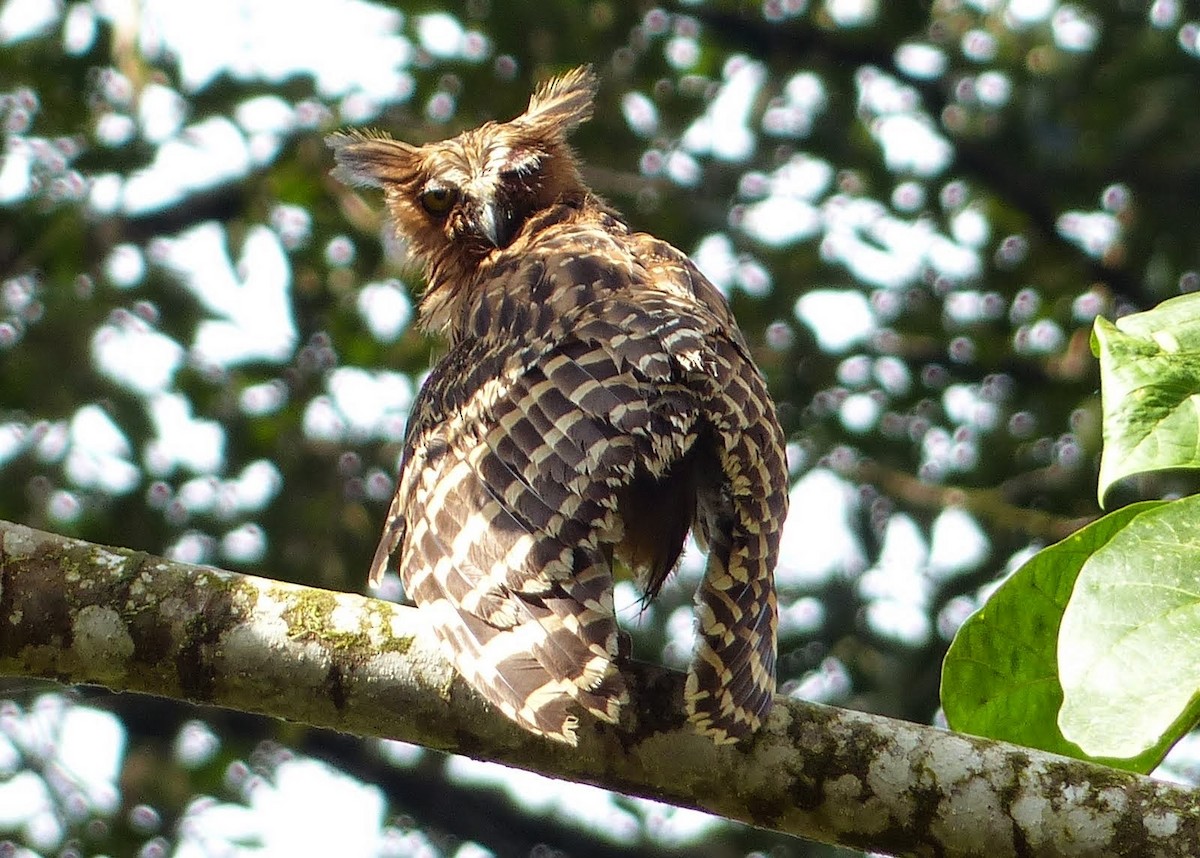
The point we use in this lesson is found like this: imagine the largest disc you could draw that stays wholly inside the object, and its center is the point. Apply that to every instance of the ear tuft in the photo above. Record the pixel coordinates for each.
(370, 158)
(561, 104)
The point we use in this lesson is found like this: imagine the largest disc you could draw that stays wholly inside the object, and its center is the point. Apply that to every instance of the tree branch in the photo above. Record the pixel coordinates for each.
(992, 505)
(82, 613)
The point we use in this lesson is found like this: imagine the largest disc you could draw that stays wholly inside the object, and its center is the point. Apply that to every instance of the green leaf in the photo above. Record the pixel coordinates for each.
(1150, 386)
(1000, 677)
(1129, 647)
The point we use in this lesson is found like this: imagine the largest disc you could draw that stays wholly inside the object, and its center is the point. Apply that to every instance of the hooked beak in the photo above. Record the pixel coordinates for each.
(489, 223)
(488, 218)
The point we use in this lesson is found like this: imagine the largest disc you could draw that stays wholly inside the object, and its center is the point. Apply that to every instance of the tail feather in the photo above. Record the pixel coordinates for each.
(731, 681)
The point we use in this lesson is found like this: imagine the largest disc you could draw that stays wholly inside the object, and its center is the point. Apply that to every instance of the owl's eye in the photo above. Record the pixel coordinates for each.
(437, 201)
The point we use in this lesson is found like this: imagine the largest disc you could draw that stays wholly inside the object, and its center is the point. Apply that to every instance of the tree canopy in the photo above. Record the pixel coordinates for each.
(207, 348)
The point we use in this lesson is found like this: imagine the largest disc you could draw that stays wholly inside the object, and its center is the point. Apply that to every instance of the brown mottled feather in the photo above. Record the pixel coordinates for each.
(597, 401)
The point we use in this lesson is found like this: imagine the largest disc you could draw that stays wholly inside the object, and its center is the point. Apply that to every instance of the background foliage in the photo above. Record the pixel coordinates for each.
(917, 210)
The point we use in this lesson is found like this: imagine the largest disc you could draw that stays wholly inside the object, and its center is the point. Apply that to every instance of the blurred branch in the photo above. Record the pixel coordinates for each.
(82, 613)
(448, 812)
(222, 203)
(994, 506)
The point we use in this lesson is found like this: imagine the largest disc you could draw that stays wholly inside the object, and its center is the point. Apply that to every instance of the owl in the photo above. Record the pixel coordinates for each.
(596, 402)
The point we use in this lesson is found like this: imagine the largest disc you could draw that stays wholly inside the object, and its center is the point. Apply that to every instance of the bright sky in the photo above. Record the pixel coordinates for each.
(359, 63)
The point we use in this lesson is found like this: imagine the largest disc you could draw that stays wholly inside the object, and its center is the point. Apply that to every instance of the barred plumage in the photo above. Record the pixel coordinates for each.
(597, 402)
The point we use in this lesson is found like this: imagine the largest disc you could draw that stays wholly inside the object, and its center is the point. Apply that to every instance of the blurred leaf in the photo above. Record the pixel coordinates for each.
(1128, 652)
(1000, 677)
(1150, 375)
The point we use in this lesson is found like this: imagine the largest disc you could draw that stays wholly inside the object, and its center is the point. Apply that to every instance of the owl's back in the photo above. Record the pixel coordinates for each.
(596, 403)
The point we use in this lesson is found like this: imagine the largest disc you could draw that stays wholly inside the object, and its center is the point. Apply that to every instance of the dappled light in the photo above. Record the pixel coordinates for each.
(209, 348)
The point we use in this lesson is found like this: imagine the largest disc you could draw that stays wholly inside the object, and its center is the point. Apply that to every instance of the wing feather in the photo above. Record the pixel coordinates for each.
(520, 457)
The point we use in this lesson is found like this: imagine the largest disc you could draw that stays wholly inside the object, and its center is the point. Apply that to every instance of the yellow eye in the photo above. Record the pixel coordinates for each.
(437, 201)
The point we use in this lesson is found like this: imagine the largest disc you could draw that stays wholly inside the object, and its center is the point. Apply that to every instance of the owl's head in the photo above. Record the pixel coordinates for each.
(458, 199)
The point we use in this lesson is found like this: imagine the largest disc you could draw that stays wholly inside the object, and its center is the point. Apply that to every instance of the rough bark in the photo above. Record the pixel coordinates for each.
(85, 614)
